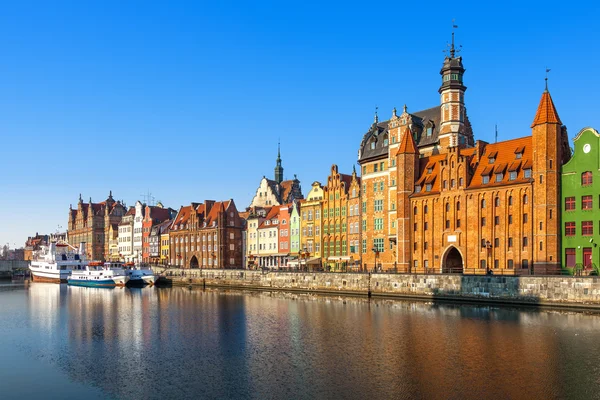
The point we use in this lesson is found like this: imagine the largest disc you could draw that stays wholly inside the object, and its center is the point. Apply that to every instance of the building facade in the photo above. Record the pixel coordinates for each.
(334, 221)
(125, 238)
(207, 235)
(435, 201)
(256, 216)
(165, 242)
(276, 192)
(311, 228)
(153, 215)
(354, 223)
(580, 204)
(91, 222)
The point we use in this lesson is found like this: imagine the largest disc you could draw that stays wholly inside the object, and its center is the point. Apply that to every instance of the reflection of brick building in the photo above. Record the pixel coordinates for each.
(207, 235)
(91, 222)
(434, 200)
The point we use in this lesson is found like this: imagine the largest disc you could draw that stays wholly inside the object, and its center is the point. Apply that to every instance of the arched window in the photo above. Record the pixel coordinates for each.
(525, 199)
(415, 211)
(447, 207)
(483, 203)
(586, 178)
(497, 201)
(425, 209)
(458, 206)
(510, 200)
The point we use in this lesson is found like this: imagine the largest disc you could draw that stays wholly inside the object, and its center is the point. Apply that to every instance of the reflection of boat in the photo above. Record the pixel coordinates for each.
(53, 263)
(96, 274)
(139, 276)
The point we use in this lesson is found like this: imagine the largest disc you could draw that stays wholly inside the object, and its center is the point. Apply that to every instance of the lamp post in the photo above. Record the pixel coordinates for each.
(376, 251)
(488, 247)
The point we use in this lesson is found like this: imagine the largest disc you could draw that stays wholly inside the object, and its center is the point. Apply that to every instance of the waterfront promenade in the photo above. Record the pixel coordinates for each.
(554, 291)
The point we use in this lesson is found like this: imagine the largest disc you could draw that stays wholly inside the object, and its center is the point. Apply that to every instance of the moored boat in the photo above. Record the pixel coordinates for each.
(54, 263)
(139, 276)
(96, 274)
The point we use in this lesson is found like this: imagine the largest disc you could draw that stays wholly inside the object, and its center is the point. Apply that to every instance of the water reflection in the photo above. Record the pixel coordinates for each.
(181, 343)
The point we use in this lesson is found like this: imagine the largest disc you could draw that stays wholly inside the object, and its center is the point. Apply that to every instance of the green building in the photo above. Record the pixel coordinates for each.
(581, 203)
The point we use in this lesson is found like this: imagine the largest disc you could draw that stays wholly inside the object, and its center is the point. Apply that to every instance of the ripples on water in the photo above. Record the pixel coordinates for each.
(75, 342)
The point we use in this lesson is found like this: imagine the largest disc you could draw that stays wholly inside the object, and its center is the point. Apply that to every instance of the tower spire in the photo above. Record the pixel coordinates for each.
(546, 79)
(278, 167)
(376, 120)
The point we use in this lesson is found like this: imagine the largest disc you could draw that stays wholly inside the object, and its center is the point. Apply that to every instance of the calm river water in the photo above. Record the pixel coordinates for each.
(63, 342)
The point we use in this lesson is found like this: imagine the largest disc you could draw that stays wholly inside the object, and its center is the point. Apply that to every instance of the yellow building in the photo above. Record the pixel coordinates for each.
(335, 254)
(310, 227)
(164, 244)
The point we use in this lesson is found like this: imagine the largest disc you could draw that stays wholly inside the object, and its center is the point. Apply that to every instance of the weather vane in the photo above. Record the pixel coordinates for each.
(546, 79)
(453, 51)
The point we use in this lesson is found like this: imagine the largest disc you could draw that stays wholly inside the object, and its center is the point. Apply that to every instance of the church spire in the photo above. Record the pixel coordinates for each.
(278, 167)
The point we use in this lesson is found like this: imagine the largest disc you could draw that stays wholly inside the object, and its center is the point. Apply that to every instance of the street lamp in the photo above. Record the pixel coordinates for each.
(488, 246)
(376, 251)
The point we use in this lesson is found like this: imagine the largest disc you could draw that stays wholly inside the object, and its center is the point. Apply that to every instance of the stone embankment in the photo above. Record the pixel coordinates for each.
(556, 291)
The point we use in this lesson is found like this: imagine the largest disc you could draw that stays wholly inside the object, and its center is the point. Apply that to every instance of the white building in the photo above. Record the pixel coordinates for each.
(126, 236)
(138, 231)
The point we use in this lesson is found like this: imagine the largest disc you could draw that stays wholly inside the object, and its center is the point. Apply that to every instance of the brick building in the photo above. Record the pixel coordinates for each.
(334, 221)
(433, 200)
(91, 223)
(207, 235)
(311, 228)
(153, 215)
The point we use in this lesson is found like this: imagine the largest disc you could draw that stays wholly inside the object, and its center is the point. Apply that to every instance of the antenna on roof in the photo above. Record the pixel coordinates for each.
(148, 198)
(496, 126)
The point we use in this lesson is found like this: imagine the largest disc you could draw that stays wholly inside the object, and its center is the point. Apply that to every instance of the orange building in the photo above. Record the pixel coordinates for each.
(435, 201)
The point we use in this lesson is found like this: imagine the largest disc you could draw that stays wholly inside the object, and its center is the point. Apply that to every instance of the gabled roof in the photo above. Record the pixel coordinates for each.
(273, 213)
(546, 112)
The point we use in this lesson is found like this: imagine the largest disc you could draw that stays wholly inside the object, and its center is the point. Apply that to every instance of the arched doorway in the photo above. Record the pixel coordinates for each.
(194, 262)
(453, 262)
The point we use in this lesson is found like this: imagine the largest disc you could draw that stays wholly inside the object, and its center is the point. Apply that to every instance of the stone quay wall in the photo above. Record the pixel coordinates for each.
(8, 266)
(559, 291)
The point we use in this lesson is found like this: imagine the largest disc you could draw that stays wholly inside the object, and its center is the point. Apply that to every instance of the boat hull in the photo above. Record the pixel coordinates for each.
(94, 283)
(120, 280)
(48, 277)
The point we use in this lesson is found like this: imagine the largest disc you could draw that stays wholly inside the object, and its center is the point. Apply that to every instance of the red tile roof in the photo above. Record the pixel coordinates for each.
(407, 145)
(546, 112)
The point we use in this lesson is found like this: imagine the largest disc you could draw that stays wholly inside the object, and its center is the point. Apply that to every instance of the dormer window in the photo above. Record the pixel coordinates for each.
(485, 179)
(428, 187)
(429, 131)
(267, 222)
(527, 173)
(519, 152)
(418, 189)
(499, 177)
(385, 142)
(373, 145)
(492, 157)
(429, 170)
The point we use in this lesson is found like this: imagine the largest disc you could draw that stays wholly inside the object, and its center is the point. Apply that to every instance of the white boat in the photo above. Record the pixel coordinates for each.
(54, 263)
(96, 274)
(139, 276)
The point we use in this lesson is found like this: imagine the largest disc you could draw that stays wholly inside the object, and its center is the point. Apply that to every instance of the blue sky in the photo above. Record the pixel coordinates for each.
(188, 99)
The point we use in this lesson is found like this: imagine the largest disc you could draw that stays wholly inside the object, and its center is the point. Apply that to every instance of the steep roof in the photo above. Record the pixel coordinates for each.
(546, 112)
(273, 213)
(407, 145)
